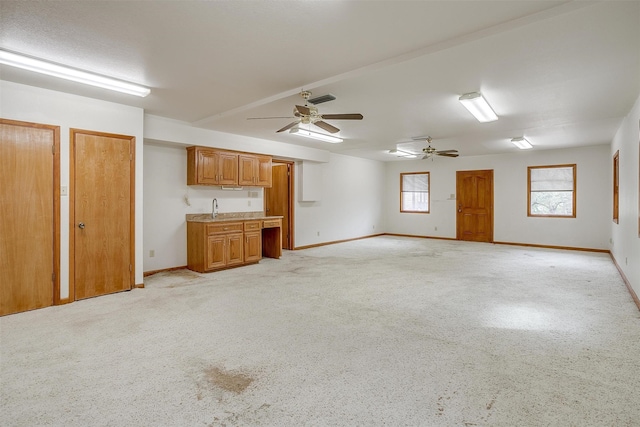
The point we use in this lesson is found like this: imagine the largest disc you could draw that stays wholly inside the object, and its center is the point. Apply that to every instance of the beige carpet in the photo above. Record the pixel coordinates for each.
(385, 331)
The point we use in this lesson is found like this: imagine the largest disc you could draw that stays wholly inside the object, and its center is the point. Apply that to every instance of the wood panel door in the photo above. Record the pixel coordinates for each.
(103, 213)
(279, 199)
(474, 220)
(29, 216)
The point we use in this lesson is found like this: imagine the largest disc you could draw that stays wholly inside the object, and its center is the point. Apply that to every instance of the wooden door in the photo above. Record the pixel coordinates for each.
(207, 162)
(235, 249)
(252, 246)
(29, 216)
(215, 251)
(474, 220)
(227, 168)
(279, 198)
(265, 175)
(103, 213)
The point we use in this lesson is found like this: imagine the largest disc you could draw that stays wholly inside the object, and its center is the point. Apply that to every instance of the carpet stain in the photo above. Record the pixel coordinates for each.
(233, 382)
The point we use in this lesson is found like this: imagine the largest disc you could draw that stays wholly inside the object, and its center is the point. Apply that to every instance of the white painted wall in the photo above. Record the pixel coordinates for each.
(168, 198)
(350, 205)
(31, 104)
(625, 234)
(589, 229)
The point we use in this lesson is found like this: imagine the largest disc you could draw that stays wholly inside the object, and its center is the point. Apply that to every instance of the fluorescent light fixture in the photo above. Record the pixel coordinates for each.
(478, 106)
(521, 143)
(49, 68)
(315, 135)
(401, 153)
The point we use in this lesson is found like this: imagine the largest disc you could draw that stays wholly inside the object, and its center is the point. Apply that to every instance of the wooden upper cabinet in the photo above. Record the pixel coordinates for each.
(254, 170)
(208, 166)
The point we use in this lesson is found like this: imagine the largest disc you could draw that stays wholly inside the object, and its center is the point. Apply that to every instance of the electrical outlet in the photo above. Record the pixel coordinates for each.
(435, 228)
(318, 233)
(152, 253)
(249, 203)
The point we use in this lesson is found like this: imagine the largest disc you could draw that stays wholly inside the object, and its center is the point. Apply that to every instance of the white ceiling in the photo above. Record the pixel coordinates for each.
(562, 74)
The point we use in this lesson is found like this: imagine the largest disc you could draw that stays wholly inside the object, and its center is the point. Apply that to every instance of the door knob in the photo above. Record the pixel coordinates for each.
(81, 225)
(459, 208)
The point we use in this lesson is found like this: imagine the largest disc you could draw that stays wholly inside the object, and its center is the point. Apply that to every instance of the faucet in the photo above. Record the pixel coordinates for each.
(214, 208)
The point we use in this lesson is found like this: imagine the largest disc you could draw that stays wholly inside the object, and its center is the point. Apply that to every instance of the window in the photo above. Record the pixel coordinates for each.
(414, 192)
(616, 180)
(552, 191)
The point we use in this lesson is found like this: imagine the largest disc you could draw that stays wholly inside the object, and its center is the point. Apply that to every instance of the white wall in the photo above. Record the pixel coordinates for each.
(168, 198)
(589, 229)
(626, 240)
(31, 104)
(350, 201)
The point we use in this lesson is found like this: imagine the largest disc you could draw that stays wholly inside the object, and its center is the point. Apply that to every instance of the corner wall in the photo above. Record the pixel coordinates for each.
(626, 241)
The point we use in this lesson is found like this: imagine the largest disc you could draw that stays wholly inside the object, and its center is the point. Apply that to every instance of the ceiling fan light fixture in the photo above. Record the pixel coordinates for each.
(521, 142)
(296, 130)
(401, 153)
(478, 106)
(61, 71)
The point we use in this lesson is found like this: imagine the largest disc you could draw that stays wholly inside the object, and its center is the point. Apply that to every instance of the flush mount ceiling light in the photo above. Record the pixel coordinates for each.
(315, 135)
(521, 143)
(49, 68)
(478, 106)
(401, 153)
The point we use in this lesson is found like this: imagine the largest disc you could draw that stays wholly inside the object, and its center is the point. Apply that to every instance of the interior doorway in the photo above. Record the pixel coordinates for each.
(278, 200)
(29, 216)
(474, 218)
(102, 213)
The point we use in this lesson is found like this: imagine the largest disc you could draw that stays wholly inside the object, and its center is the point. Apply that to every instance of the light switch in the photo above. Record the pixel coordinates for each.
(63, 190)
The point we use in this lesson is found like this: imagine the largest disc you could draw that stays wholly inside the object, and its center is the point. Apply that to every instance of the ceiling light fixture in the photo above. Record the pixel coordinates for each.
(49, 68)
(401, 153)
(478, 106)
(296, 130)
(521, 143)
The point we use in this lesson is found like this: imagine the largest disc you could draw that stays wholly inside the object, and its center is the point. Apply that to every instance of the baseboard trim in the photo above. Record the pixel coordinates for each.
(634, 296)
(151, 272)
(418, 236)
(565, 248)
(316, 245)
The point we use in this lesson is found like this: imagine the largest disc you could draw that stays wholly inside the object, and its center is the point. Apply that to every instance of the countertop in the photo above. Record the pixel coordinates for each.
(229, 216)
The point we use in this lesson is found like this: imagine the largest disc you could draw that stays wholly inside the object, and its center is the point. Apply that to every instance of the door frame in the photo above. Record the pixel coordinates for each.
(491, 213)
(291, 169)
(72, 205)
(56, 199)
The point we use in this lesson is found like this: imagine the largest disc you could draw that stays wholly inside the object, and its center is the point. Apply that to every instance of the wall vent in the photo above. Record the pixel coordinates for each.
(320, 99)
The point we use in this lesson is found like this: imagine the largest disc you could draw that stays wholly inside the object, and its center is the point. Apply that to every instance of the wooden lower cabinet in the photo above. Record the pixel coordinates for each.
(216, 245)
(224, 250)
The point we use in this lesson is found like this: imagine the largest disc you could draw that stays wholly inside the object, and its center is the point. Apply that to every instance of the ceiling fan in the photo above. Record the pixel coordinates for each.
(430, 151)
(309, 115)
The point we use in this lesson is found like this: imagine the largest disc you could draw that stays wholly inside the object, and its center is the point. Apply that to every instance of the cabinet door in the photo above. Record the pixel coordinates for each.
(216, 252)
(252, 246)
(264, 171)
(235, 252)
(247, 165)
(207, 167)
(227, 168)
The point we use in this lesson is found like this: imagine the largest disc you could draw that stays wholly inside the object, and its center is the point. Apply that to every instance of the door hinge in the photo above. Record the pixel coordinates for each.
(53, 149)
(130, 267)
(53, 277)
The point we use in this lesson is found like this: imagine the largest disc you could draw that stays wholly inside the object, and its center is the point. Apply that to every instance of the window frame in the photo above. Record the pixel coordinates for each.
(616, 187)
(428, 174)
(574, 192)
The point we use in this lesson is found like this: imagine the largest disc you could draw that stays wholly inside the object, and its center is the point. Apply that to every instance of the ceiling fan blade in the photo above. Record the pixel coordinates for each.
(263, 118)
(447, 151)
(305, 111)
(342, 116)
(426, 156)
(448, 154)
(326, 126)
(289, 126)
